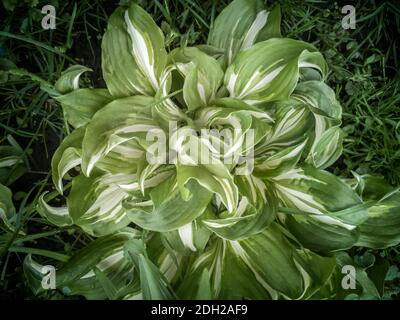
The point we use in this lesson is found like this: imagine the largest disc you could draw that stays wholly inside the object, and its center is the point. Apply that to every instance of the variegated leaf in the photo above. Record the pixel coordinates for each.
(118, 122)
(69, 79)
(13, 162)
(255, 211)
(67, 156)
(202, 76)
(80, 105)
(241, 24)
(80, 275)
(327, 148)
(58, 216)
(170, 211)
(309, 191)
(269, 71)
(153, 283)
(120, 70)
(7, 210)
(147, 44)
(380, 230)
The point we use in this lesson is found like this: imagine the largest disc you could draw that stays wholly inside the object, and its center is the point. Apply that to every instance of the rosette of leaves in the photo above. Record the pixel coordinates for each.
(211, 230)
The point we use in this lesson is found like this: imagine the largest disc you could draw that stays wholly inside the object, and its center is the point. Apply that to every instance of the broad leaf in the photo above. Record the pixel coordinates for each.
(202, 76)
(120, 121)
(7, 210)
(380, 230)
(171, 211)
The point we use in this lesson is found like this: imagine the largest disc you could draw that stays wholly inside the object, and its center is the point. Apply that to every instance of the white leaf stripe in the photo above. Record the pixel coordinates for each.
(142, 52)
(275, 161)
(186, 235)
(258, 23)
(71, 158)
(303, 200)
(260, 81)
(107, 263)
(237, 248)
(9, 161)
(288, 123)
(169, 265)
(117, 137)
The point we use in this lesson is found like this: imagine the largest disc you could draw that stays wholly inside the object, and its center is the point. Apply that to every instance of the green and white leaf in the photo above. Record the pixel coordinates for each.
(58, 216)
(170, 211)
(147, 44)
(320, 195)
(120, 121)
(67, 156)
(121, 72)
(13, 162)
(255, 211)
(69, 80)
(269, 71)
(80, 105)
(380, 230)
(240, 25)
(7, 210)
(80, 275)
(202, 76)
(235, 204)
(154, 285)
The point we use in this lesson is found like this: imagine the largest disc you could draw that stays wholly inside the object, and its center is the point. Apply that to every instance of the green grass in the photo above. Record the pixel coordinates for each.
(364, 72)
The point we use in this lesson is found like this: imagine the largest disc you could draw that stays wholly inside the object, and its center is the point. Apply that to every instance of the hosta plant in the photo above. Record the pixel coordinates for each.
(261, 219)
